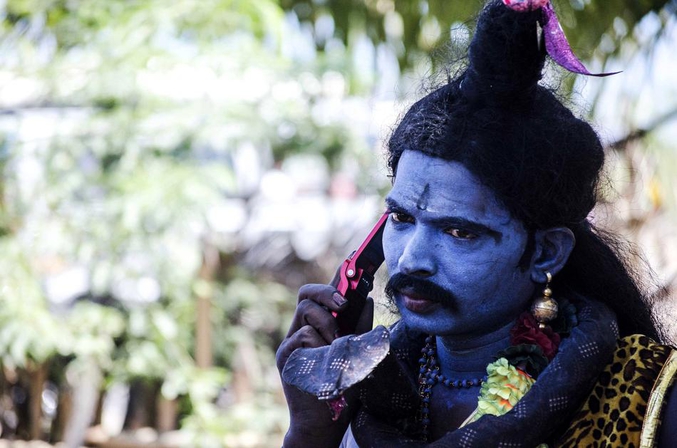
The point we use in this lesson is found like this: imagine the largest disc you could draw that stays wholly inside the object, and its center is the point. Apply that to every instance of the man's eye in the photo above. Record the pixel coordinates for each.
(401, 217)
(462, 234)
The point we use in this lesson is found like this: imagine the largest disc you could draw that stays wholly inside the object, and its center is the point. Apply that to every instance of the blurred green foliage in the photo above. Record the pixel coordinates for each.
(120, 122)
(417, 28)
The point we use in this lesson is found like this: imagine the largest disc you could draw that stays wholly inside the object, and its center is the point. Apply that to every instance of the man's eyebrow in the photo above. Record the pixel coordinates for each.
(392, 204)
(452, 221)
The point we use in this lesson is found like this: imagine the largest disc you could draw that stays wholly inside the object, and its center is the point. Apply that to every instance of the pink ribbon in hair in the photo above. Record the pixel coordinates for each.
(556, 43)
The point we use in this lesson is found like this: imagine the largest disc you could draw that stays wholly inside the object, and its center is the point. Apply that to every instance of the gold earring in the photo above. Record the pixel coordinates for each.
(545, 308)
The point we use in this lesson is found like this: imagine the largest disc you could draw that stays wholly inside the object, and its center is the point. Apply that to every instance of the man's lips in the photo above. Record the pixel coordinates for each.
(416, 302)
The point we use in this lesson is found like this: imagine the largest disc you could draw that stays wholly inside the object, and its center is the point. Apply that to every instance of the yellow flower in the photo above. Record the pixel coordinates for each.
(504, 387)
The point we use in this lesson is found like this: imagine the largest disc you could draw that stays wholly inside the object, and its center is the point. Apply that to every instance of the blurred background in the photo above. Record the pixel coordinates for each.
(174, 170)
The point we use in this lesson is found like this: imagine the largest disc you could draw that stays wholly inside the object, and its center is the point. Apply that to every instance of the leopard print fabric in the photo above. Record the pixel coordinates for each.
(614, 412)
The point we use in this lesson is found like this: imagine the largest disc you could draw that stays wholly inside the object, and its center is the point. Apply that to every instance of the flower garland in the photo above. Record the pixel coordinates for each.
(504, 387)
(516, 368)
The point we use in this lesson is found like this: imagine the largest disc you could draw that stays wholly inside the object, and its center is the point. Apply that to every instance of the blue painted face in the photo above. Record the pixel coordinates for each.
(449, 230)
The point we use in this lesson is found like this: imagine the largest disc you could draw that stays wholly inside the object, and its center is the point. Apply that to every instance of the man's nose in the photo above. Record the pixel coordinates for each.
(418, 257)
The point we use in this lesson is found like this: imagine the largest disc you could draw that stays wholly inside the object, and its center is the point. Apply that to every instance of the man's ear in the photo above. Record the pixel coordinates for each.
(553, 247)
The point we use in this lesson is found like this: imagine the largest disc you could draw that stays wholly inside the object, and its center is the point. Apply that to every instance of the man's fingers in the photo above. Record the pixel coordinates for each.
(321, 320)
(314, 314)
(305, 337)
(324, 295)
(366, 320)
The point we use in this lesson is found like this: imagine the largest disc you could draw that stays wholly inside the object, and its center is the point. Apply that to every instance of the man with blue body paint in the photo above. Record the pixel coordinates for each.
(521, 324)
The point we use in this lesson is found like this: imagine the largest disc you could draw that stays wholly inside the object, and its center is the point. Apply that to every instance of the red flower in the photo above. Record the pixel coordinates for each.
(526, 331)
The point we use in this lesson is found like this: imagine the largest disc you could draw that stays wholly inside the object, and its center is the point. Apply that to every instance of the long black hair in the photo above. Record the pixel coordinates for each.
(543, 163)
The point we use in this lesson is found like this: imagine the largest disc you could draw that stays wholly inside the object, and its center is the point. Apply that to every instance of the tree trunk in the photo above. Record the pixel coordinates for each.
(36, 377)
(63, 413)
(203, 324)
(86, 390)
(167, 412)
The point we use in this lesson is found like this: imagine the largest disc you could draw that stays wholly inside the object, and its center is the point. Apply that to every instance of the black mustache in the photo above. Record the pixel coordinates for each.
(422, 287)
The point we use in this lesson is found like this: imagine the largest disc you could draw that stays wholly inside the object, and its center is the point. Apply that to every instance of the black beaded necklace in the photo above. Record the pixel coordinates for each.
(429, 375)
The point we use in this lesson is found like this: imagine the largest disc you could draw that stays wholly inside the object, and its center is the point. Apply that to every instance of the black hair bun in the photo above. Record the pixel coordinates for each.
(506, 55)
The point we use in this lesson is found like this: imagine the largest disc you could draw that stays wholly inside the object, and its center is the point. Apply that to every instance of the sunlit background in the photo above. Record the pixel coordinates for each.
(175, 170)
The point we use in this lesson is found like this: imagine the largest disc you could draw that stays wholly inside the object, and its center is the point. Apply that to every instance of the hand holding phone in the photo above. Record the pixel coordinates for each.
(355, 278)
